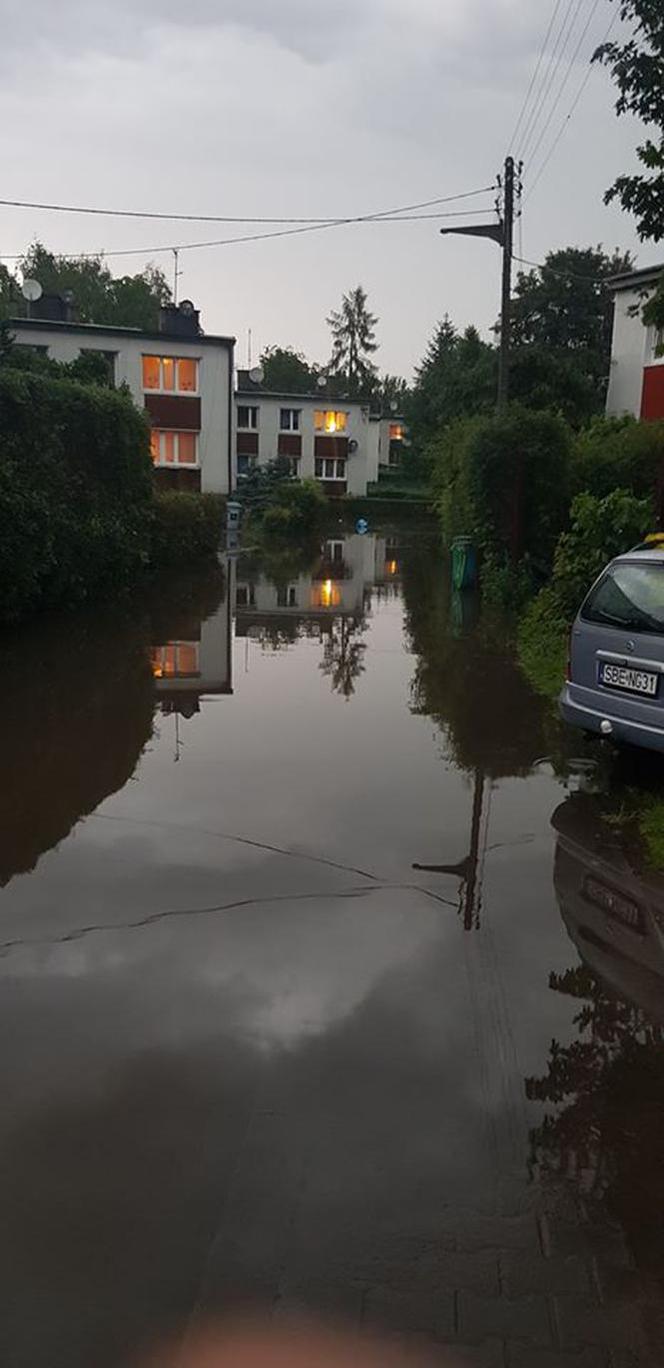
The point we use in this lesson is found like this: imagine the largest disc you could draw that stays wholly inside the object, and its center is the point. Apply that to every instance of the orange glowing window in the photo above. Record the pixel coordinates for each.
(170, 374)
(327, 420)
(187, 375)
(326, 595)
(155, 445)
(176, 660)
(151, 373)
(168, 447)
(397, 432)
(187, 448)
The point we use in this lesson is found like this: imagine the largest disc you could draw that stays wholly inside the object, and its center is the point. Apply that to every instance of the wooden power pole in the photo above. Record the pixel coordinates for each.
(503, 234)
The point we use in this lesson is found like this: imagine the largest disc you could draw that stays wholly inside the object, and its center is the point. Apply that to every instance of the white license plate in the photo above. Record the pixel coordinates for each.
(629, 679)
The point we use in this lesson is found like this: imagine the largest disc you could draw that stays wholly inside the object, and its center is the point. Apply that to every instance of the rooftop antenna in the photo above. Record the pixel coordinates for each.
(248, 348)
(31, 291)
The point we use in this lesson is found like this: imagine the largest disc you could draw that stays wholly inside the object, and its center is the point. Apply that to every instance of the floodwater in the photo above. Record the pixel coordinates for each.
(326, 986)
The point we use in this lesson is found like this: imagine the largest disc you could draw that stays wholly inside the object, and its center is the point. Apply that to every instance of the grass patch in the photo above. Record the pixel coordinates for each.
(651, 831)
(542, 644)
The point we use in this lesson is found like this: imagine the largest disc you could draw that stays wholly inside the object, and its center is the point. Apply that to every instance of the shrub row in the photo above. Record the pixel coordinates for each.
(79, 518)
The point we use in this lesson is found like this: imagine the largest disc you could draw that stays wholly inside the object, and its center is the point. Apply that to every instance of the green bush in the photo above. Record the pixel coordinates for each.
(76, 492)
(599, 530)
(542, 643)
(619, 453)
(505, 481)
(297, 508)
(187, 528)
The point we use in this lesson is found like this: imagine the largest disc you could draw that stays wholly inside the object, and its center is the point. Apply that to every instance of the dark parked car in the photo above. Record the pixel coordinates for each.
(615, 682)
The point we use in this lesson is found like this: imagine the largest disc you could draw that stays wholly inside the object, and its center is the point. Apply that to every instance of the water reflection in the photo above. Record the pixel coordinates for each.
(604, 1126)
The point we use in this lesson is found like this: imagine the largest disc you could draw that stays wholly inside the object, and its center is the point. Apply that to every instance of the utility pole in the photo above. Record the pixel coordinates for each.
(503, 234)
(506, 304)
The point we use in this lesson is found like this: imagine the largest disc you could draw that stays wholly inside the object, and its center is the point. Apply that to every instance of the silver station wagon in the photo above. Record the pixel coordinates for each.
(615, 680)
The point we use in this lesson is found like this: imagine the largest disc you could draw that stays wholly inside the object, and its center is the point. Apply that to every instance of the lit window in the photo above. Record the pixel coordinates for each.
(247, 418)
(174, 448)
(326, 595)
(176, 660)
(326, 420)
(397, 432)
(170, 374)
(289, 420)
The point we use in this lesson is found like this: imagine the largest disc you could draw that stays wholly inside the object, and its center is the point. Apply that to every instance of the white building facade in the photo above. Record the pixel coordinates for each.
(328, 440)
(636, 383)
(180, 376)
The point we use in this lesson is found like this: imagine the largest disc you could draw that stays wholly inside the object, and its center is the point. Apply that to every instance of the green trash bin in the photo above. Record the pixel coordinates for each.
(464, 563)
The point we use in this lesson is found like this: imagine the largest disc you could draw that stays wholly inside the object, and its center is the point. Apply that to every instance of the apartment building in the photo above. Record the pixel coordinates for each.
(324, 439)
(181, 376)
(636, 382)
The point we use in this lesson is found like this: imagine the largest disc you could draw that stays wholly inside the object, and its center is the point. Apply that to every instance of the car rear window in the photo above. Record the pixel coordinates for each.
(629, 595)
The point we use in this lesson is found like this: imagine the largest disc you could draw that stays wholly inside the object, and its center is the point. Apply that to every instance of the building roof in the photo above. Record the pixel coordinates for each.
(247, 387)
(634, 280)
(109, 330)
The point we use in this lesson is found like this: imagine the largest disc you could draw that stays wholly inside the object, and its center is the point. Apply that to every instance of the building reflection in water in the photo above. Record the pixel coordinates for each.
(603, 1132)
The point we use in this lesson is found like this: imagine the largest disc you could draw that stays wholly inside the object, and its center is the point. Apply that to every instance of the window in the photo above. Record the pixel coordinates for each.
(170, 374)
(397, 432)
(293, 466)
(174, 448)
(287, 596)
(630, 596)
(245, 464)
(247, 418)
(334, 550)
(326, 420)
(289, 420)
(329, 469)
(245, 596)
(176, 660)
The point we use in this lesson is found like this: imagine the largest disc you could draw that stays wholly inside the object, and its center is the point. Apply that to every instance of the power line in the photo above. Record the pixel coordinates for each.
(564, 275)
(566, 30)
(535, 74)
(534, 150)
(222, 218)
(387, 216)
(570, 115)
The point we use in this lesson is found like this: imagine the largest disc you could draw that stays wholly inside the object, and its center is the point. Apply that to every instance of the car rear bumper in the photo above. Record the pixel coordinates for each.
(590, 715)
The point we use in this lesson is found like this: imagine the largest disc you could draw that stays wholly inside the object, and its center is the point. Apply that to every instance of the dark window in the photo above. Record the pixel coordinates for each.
(289, 420)
(247, 418)
(630, 595)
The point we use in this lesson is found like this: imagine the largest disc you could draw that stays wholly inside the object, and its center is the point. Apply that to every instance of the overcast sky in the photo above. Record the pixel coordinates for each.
(296, 107)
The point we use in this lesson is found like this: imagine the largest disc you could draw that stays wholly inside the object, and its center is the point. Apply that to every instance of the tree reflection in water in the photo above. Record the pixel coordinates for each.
(344, 654)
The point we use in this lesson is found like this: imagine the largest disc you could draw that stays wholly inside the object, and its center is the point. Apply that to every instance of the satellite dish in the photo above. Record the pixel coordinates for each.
(322, 381)
(257, 375)
(394, 406)
(352, 446)
(31, 290)
(187, 308)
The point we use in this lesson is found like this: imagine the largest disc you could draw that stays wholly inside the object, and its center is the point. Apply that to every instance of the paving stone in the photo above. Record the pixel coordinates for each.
(580, 1323)
(523, 1356)
(485, 1232)
(490, 1354)
(387, 1309)
(522, 1274)
(525, 1318)
(440, 1270)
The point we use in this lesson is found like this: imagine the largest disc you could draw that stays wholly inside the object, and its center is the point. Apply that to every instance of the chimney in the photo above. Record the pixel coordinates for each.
(180, 320)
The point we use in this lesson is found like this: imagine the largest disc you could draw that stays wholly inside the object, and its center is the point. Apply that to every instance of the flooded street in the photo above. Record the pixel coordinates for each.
(324, 984)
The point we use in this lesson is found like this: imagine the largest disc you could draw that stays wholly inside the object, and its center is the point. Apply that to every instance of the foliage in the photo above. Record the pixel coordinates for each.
(99, 297)
(619, 453)
(75, 492)
(504, 481)
(186, 529)
(287, 371)
(456, 379)
(637, 68)
(392, 389)
(542, 643)
(299, 508)
(599, 530)
(651, 830)
(354, 343)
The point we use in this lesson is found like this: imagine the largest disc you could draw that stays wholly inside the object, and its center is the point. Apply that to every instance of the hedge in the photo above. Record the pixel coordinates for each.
(79, 515)
(187, 528)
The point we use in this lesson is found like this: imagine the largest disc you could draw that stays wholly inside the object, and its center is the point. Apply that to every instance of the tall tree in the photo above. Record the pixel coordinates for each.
(562, 322)
(637, 68)
(354, 343)
(392, 389)
(288, 371)
(455, 379)
(100, 297)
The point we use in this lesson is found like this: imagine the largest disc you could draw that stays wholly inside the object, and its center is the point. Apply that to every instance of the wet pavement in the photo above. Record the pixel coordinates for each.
(326, 985)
